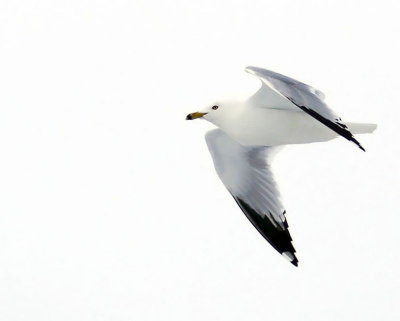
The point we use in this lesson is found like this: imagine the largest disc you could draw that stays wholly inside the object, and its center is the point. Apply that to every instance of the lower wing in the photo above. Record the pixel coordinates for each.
(245, 172)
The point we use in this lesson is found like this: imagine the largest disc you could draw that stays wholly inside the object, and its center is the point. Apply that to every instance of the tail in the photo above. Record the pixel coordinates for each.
(360, 128)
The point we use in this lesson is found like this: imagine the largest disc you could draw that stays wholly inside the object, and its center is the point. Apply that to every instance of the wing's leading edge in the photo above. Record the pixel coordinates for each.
(310, 100)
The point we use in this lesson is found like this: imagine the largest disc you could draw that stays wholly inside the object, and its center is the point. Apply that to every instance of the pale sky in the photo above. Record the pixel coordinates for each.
(110, 207)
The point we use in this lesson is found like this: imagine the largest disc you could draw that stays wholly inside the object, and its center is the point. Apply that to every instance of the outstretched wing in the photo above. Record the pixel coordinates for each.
(279, 91)
(245, 172)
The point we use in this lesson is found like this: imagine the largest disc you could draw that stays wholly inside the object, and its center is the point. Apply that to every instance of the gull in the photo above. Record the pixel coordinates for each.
(250, 132)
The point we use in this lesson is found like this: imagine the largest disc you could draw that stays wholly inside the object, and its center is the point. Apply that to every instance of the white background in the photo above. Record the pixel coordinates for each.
(110, 208)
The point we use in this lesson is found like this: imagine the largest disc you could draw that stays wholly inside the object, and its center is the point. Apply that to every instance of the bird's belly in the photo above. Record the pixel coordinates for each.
(271, 127)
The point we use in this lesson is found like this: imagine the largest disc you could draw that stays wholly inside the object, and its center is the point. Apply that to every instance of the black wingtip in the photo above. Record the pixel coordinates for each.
(355, 141)
(278, 237)
(338, 127)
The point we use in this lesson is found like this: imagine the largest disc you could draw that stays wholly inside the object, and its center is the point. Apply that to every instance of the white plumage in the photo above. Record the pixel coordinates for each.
(245, 171)
(283, 111)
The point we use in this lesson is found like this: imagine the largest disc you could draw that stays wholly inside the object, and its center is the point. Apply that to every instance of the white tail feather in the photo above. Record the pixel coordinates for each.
(360, 128)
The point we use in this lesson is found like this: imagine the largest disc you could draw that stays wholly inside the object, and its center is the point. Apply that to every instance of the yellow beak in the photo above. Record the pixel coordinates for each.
(195, 115)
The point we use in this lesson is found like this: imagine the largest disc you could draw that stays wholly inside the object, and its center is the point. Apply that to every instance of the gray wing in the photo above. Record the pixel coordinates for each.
(246, 173)
(282, 92)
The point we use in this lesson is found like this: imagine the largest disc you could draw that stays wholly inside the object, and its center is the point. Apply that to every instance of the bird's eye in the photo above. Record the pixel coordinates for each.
(214, 107)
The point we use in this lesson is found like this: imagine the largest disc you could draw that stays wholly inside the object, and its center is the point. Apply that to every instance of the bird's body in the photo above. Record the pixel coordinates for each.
(283, 111)
(293, 127)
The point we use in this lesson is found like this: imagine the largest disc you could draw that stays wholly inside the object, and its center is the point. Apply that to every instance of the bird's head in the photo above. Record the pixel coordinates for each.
(216, 112)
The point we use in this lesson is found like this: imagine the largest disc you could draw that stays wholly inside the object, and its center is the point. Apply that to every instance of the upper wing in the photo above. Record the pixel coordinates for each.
(279, 91)
(245, 171)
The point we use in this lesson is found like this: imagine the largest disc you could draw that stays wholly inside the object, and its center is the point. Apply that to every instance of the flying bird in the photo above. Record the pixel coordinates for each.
(283, 111)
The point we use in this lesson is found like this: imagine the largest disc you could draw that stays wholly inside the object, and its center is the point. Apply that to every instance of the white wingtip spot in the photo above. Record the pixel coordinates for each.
(288, 256)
